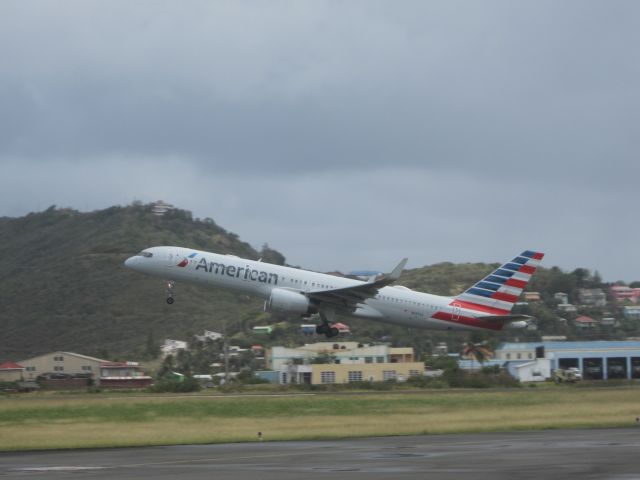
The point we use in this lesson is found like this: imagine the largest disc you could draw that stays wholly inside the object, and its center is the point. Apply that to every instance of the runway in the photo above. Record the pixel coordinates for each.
(567, 454)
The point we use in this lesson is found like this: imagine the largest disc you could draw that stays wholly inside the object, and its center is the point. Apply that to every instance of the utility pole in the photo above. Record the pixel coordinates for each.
(226, 353)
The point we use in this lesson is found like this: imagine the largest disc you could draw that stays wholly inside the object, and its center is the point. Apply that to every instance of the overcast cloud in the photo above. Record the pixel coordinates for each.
(345, 134)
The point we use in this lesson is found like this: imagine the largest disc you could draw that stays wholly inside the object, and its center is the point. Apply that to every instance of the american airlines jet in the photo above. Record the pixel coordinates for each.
(484, 306)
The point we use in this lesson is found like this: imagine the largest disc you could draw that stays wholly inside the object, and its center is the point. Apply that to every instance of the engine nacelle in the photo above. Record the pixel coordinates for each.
(287, 301)
(517, 325)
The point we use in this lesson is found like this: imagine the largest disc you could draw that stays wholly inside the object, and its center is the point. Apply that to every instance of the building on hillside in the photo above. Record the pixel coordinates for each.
(441, 349)
(567, 308)
(171, 347)
(592, 297)
(123, 375)
(310, 328)
(207, 335)
(69, 365)
(585, 322)
(631, 312)
(620, 293)
(235, 351)
(11, 372)
(160, 207)
(531, 296)
(342, 362)
(262, 329)
(597, 360)
(561, 297)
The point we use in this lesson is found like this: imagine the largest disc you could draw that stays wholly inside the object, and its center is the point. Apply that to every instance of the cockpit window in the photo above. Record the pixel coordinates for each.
(146, 254)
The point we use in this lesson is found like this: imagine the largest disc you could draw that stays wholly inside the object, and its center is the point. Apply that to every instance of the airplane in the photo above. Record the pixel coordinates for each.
(290, 291)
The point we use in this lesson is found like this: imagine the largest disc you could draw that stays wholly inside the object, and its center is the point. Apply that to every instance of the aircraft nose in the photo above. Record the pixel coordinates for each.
(130, 262)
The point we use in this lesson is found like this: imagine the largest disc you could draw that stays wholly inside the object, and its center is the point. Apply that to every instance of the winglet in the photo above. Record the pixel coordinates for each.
(395, 274)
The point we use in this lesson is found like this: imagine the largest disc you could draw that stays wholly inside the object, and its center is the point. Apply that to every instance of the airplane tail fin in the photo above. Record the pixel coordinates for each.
(498, 292)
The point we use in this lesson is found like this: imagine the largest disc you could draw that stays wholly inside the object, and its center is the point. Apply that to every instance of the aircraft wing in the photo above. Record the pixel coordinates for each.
(351, 296)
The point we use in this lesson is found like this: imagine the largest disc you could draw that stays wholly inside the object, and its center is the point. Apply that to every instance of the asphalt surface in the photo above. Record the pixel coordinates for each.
(583, 454)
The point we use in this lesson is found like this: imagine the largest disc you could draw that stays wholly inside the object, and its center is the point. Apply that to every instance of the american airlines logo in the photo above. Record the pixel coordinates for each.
(246, 273)
(185, 262)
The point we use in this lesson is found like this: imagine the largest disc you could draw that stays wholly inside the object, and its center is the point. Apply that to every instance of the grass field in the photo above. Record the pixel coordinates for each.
(106, 422)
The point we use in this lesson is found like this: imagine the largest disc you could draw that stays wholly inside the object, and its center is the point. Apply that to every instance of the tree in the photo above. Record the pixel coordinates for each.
(270, 255)
(152, 350)
(583, 276)
(167, 366)
(478, 352)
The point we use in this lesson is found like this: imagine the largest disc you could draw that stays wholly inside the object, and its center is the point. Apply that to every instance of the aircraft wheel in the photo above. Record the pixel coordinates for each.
(332, 332)
(170, 300)
(322, 329)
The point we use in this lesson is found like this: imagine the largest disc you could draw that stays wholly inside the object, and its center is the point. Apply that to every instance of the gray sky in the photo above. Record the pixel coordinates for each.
(345, 134)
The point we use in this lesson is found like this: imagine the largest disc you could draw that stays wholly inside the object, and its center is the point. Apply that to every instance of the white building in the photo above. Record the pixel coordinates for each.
(567, 308)
(631, 312)
(592, 297)
(537, 370)
(209, 335)
(597, 360)
(345, 362)
(515, 351)
(340, 352)
(171, 347)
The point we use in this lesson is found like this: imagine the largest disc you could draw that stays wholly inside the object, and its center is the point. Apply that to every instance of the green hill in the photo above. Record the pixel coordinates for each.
(63, 285)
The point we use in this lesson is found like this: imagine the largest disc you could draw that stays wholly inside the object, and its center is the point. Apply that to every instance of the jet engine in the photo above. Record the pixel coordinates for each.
(287, 301)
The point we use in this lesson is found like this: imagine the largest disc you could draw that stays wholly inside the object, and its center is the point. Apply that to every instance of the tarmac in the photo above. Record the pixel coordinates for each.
(563, 454)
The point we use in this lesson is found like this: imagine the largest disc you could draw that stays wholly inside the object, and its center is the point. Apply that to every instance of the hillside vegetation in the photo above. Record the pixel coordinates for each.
(63, 284)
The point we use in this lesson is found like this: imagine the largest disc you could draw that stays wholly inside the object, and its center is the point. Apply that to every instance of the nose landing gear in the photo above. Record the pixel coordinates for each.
(169, 292)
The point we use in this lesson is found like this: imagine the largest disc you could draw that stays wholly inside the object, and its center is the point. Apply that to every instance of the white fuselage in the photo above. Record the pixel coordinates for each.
(393, 304)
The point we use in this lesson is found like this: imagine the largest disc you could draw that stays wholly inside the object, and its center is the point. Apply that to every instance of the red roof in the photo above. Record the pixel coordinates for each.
(10, 366)
(585, 319)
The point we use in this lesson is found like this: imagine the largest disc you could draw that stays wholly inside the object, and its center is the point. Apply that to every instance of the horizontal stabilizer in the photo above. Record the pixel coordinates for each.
(505, 318)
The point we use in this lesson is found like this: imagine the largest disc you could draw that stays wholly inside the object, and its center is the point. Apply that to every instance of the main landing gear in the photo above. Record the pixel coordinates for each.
(169, 292)
(326, 327)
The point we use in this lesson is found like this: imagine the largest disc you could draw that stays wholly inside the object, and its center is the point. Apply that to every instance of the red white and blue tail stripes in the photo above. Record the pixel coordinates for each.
(498, 292)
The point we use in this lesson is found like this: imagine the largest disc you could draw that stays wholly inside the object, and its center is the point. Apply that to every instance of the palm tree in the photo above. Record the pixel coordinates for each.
(477, 351)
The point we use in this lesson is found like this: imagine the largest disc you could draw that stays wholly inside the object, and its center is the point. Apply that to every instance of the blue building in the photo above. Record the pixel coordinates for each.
(597, 360)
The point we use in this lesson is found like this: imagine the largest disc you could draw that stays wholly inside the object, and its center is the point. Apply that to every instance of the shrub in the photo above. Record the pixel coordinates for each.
(187, 384)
